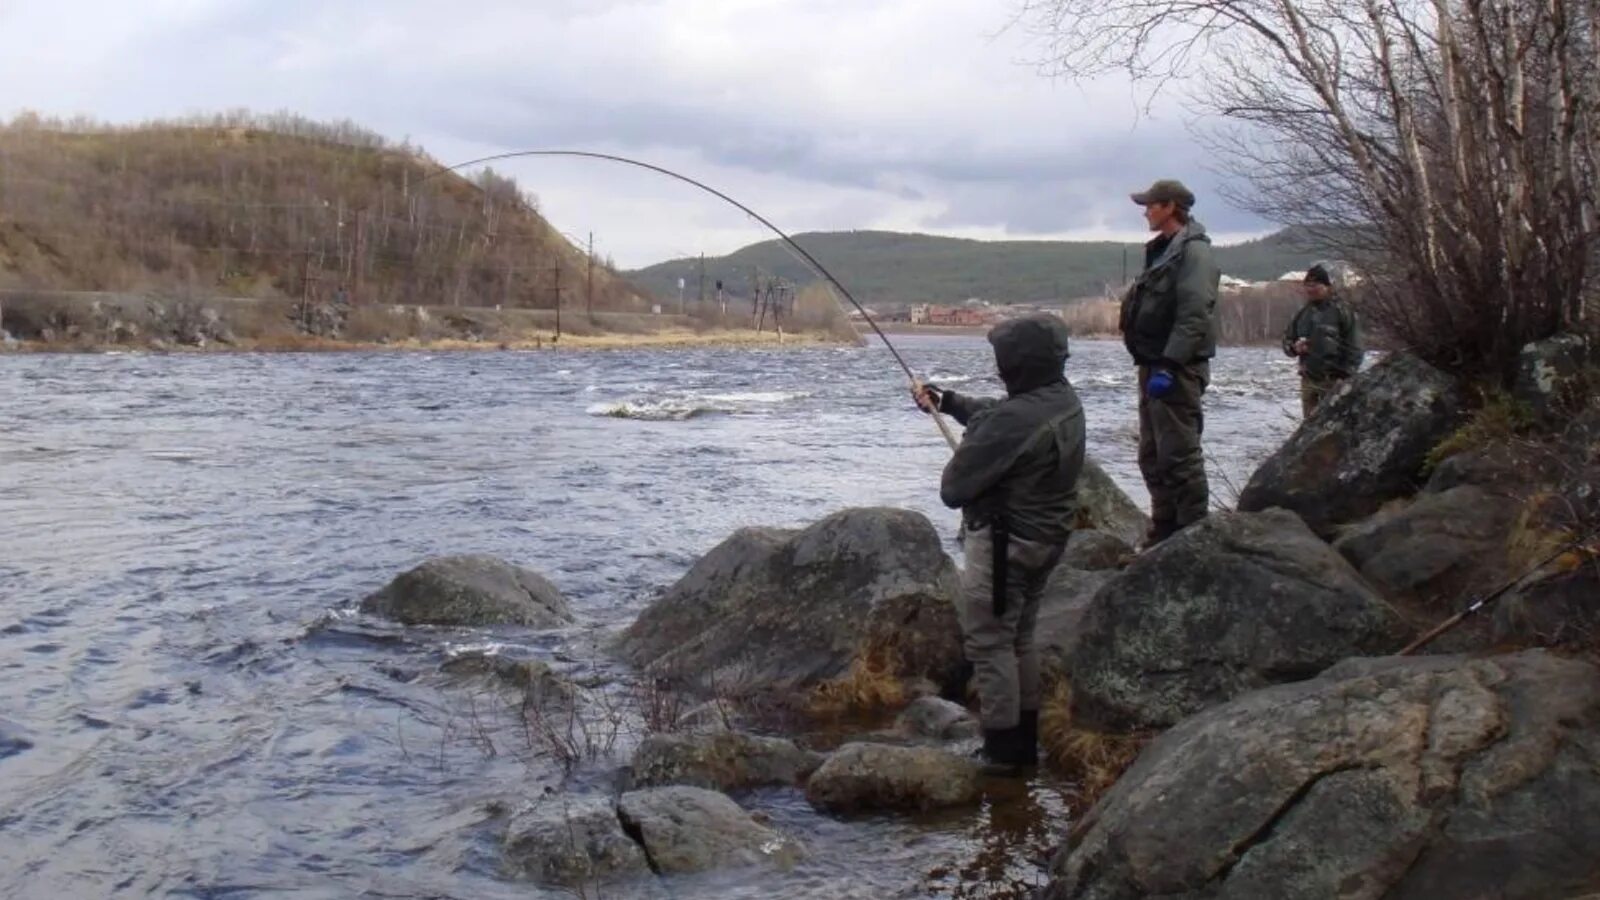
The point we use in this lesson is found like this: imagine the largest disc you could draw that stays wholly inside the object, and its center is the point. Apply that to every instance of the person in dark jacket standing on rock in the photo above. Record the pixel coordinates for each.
(1169, 325)
(1326, 339)
(1015, 479)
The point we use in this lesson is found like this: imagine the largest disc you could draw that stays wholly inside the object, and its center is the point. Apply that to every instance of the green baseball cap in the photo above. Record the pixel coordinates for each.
(1167, 190)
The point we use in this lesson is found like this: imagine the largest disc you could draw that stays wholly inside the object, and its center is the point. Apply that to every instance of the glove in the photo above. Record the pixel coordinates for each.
(1160, 384)
(933, 392)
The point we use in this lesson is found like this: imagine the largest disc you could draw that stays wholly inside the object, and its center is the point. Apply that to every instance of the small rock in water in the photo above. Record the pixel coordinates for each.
(572, 842)
(725, 761)
(688, 829)
(938, 718)
(870, 777)
(470, 590)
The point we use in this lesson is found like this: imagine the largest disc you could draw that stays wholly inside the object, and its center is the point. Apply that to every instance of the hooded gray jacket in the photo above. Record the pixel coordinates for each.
(1021, 456)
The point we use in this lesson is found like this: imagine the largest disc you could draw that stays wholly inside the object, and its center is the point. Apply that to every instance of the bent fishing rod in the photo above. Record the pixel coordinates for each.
(807, 258)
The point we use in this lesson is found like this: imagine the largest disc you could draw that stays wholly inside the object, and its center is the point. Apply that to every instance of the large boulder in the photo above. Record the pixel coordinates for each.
(1362, 447)
(572, 843)
(1404, 778)
(1233, 603)
(470, 590)
(1431, 554)
(723, 761)
(778, 609)
(1102, 506)
(876, 777)
(1066, 600)
(689, 829)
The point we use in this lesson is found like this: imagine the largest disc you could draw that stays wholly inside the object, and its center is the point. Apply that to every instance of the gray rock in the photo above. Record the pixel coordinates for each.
(1410, 778)
(1362, 447)
(723, 761)
(1102, 506)
(1496, 467)
(1556, 608)
(937, 718)
(873, 777)
(1431, 553)
(572, 842)
(688, 829)
(774, 609)
(470, 590)
(1061, 610)
(1236, 602)
(1096, 550)
(1549, 372)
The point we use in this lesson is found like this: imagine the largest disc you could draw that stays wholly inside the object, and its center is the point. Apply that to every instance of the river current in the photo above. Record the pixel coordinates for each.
(190, 706)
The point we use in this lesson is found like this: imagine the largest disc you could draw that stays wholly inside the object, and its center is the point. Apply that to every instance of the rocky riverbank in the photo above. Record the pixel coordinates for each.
(1231, 701)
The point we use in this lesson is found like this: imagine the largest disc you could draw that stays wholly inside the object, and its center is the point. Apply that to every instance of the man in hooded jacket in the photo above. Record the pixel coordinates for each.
(1014, 477)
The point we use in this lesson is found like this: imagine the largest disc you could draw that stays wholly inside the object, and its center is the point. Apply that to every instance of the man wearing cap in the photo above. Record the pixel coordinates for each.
(1326, 339)
(1169, 324)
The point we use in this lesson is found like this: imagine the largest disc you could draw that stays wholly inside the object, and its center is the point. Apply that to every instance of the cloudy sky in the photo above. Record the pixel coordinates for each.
(916, 115)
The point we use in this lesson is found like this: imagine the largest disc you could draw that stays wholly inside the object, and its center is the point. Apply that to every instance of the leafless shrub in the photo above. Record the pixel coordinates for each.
(1448, 146)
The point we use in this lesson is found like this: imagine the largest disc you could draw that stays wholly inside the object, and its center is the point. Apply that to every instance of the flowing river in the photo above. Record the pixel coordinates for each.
(190, 706)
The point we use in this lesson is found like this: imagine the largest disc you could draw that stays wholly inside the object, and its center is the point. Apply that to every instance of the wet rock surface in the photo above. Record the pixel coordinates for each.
(689, 829)
(877, 777)
(572, 842)
(723, 761)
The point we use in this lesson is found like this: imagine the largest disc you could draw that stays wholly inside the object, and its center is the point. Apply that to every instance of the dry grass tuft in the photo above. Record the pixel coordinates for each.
(1093, 758)
(1498, 420)
(873, 683)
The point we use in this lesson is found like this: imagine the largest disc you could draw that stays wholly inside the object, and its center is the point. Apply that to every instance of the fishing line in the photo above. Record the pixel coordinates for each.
(809, 260)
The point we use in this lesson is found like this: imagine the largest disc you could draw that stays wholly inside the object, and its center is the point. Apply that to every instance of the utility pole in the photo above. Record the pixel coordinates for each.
(589, 286)
(701, 301)
(557, 272)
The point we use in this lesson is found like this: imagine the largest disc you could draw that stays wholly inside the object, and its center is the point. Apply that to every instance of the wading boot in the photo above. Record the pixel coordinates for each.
(1028, 738)
(1002, 753)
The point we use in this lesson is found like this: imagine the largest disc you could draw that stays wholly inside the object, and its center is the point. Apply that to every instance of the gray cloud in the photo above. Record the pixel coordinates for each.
(893, 113)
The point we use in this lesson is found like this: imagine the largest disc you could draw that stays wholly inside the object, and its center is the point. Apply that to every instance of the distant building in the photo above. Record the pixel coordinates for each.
(961, 316)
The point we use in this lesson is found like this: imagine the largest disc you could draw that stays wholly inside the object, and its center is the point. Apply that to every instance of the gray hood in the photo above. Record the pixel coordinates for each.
(1030, 351)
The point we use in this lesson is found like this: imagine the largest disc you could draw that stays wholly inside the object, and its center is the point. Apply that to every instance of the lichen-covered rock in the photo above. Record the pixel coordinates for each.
(1362, 447)
(723, 761)
(876, 777)
(689, 829)
(1418, 778)
(1236, 602)
(572, 842)
(777, 609)
(1549, 372)
(470, 590)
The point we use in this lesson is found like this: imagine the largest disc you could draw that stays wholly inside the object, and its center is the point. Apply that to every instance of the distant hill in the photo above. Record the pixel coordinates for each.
(275, 206)
(887, 268)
